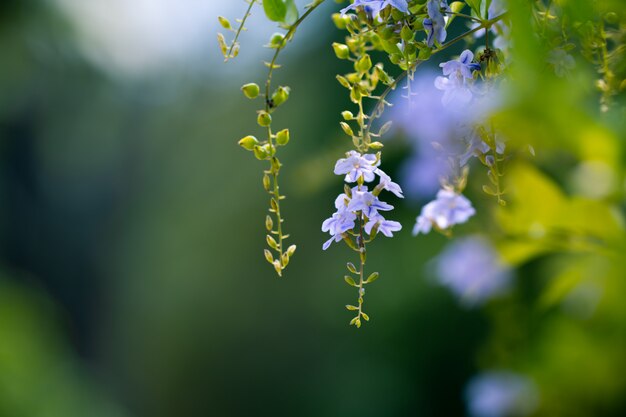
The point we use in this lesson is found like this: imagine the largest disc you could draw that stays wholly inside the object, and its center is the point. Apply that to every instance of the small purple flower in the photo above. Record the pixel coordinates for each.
(447, 210)
(386, 227)
(435, 24)
(356, 165)
(456, 93)
(501, 394)
(461, 67)
(340, 222)
(387, 184)
(368, 203)
(471, 268)
(373, 7)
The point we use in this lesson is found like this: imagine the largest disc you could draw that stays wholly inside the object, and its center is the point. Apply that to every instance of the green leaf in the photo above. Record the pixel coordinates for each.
(275, 10)
(292, 13)
(474, 4)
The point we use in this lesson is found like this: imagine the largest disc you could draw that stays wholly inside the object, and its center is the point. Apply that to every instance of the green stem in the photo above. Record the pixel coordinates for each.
(243, 21)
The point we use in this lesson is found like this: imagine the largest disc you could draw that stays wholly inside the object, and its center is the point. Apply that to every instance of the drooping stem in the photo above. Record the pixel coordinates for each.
(239, 30)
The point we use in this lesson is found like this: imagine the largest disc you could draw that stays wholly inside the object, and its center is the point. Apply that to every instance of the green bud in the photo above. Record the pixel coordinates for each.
(373, 277)
(277, 41)
(248, 143)
(268, 256)
(347, 129)
(364, 64)
(339, 20)
(341, 50)
(291, 250)
(350, 281)
(376, 146)
(224, 22)
(264, 119)
(347, 115)
(260, 152)
(343, 81)
(407, 34)
(269, 224)
(280, 96)
(282, 137)
(250, 90)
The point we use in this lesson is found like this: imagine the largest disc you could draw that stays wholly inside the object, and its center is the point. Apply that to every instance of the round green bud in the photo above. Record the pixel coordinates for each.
(260, 152)
(339, 21)
(347, 115)
(248, 143)
(341, 50)
(364, 64)
(282, 137)
(280, 96)
(264, 119)
(250, 90)
(277, 40)
(376, 146)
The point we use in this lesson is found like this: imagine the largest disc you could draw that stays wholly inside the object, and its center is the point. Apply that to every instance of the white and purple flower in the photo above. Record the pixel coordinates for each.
(356, 165)
(471, 268)
(501, 394)
(447, 210)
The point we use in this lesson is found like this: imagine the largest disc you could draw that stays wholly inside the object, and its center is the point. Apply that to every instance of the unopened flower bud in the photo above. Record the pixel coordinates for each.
(277, 41)
(282, 137)
(347, 115)
(341, 50)
(248, 143)
(260, 152)
(264, 119)
(280, 96)
(250, 90)
(364, 64)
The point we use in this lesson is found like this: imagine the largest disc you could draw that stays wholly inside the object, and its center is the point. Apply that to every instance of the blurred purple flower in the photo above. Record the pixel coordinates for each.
(501, 394)
(447, 210)
(373, 7)
(471, 268)
(462, 67)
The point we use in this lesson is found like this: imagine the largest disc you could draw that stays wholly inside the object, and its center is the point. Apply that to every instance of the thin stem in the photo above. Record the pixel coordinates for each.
(243, 22)
(475, 19)
(362, 253)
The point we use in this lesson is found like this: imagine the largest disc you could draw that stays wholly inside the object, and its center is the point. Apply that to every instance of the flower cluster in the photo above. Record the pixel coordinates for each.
(447, 210)
(454, 84)
(373, 7)
(501, 393)
(360, 203)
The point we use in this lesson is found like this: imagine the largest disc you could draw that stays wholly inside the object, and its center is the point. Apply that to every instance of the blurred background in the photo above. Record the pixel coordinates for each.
(132, 278)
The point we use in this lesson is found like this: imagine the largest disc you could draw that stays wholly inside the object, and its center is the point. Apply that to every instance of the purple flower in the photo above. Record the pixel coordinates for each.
(446, 211)
(472, 270)
(435, 24)
(340, 222)
(368, 203)
(373, 7)
(386, 227)
(461, 67)
(387, 184)
(356, 165)
(501, 394)
(456, 93)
